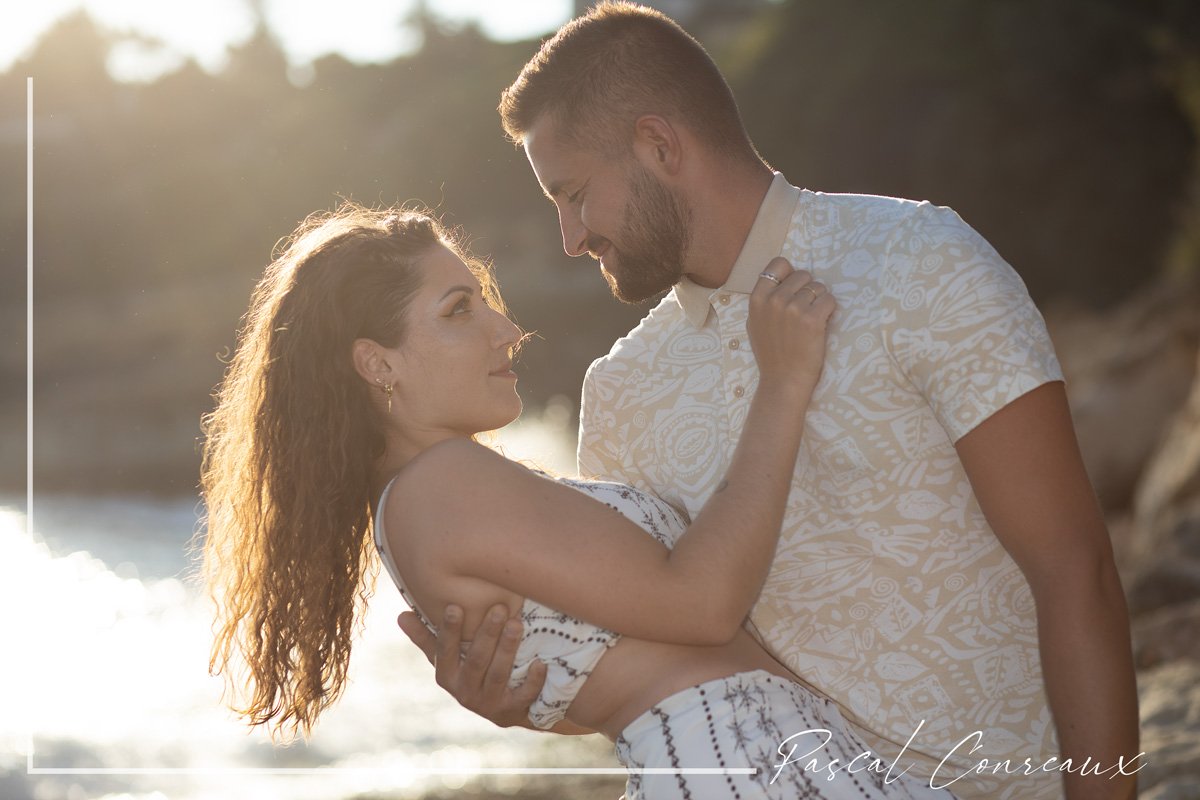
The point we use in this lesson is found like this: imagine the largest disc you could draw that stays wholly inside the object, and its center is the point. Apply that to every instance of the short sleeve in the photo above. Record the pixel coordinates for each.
(958, 321)
(597, 455)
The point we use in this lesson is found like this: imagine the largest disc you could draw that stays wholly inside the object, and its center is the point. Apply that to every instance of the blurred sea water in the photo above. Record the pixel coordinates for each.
(107, 640)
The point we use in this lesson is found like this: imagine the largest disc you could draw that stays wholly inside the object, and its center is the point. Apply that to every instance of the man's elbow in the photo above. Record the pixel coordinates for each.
(1088, 570)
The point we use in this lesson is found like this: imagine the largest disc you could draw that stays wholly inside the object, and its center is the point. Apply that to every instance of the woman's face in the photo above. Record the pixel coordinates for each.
(453, 369)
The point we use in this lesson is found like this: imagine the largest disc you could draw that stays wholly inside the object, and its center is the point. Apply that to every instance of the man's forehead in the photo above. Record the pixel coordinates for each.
(553, 161)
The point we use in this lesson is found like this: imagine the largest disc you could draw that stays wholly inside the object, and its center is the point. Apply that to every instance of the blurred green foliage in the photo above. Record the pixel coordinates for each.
(1045, 124)
(1065, 131)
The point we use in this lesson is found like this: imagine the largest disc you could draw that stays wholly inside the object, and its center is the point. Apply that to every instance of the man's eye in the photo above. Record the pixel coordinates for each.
(574, 198)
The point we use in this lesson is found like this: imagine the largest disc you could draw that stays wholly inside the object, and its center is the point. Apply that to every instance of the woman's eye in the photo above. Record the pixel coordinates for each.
(460, 307)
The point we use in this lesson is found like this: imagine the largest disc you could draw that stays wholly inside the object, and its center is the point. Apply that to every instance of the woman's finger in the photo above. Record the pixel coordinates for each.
(825, 305)
(810, 291)
(776, 272)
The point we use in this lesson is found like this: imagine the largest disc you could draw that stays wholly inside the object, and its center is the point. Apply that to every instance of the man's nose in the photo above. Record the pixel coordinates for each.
(574, 234)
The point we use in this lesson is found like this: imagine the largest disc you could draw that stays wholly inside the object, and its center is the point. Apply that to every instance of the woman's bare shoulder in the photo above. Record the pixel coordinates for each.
(457, 459)
(458, 481)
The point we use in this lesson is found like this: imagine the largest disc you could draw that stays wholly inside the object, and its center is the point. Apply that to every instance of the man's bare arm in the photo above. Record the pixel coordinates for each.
(1025, 468)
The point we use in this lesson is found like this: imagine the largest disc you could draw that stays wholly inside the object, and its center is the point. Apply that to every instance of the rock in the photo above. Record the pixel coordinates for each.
(1120, 532)
(1173, 790)
(1128, 370)
(1169, 491)
(1160, 557)
(1167, 634)
(1172, 573)
(1170, 713)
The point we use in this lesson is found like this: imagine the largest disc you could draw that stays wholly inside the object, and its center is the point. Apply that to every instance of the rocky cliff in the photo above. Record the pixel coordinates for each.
(1133, 378)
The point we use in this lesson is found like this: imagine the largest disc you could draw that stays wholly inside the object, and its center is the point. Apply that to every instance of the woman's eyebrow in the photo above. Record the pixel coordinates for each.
(459, 288)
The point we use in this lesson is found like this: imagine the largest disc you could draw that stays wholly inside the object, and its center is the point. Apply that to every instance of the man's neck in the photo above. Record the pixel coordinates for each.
(722, 216)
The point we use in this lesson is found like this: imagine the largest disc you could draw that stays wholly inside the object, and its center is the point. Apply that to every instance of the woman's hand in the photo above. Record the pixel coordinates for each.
(789, 315)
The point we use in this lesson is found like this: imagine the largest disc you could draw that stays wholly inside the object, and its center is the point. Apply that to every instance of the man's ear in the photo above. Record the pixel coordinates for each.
(371, 361)
(658, 145)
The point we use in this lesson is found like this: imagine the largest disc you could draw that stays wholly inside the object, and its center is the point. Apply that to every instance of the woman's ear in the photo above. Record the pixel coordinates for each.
(371, 361)
(657, 144)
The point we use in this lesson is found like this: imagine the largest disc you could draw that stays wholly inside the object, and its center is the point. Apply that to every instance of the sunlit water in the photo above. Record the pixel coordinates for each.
(106, 652)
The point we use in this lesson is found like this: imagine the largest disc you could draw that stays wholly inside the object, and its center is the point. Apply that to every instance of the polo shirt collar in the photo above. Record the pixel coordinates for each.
(764, 242)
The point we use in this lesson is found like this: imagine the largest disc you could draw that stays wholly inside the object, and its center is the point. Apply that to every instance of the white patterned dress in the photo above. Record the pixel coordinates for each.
(737, 723)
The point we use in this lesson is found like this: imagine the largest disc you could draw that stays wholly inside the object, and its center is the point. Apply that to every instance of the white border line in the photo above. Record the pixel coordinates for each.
(29, 339)
(391, 771)
(32, 770)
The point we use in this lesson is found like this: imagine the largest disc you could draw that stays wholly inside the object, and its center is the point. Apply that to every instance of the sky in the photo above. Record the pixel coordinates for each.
(360, 30)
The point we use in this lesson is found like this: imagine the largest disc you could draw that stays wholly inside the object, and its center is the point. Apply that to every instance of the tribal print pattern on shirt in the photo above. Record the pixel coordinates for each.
(889, 592)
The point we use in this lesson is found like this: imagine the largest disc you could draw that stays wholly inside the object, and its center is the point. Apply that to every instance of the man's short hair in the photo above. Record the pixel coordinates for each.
(603, 70)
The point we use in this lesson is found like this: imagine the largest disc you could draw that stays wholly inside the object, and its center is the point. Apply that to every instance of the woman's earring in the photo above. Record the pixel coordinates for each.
(387, 389)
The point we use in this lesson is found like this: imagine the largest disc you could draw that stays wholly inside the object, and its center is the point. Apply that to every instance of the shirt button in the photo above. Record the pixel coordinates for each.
(734, 344)
(723, 299)
(738, 391)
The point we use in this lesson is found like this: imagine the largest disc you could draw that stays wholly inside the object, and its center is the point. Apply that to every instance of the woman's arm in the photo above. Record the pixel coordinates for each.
(473, 514)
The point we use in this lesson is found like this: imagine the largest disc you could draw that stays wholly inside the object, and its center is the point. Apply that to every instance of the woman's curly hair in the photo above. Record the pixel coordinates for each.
(289, 454)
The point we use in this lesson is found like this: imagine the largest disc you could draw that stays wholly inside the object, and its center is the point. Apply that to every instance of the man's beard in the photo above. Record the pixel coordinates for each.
(655, 235)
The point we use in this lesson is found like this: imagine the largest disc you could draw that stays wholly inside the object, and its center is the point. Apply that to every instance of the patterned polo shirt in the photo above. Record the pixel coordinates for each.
(889, 592)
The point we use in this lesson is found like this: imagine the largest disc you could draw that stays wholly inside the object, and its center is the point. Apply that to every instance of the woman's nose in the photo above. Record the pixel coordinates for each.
(508, 333)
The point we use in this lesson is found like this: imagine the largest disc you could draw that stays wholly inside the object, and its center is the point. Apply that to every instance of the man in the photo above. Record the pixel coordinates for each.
(944, 572)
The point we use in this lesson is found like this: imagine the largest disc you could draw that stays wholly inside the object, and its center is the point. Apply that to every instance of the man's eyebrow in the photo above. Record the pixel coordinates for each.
(459, 288)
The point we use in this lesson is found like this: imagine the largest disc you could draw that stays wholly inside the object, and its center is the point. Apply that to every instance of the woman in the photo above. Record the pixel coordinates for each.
(373, 351)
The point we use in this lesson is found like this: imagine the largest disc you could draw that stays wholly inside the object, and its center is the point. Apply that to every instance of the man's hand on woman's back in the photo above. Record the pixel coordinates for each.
(478, 679)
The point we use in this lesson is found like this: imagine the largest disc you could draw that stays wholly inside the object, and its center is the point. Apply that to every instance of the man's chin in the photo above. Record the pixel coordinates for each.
(618, 291)
(614, 285)
(629, 292)
(634, 298)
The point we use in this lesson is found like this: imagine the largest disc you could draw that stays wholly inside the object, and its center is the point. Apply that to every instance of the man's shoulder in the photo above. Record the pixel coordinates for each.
(869, 229)
(660, 322)
(824, 209)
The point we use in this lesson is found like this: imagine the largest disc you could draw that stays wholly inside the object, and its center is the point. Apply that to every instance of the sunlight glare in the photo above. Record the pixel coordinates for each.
(508, 21)
(363, 31)
(24, 22)
(202, 31)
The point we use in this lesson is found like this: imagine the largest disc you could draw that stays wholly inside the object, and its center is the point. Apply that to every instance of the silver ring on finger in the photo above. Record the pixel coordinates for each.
(769, 277)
